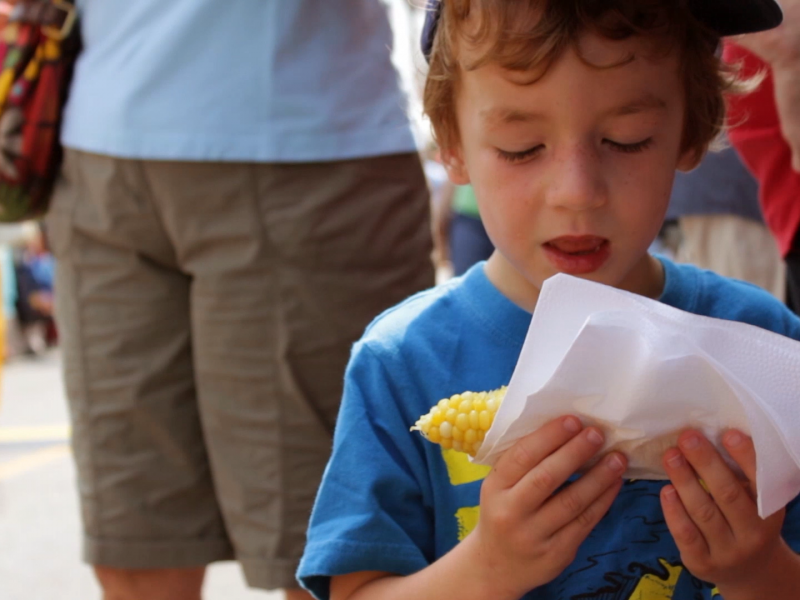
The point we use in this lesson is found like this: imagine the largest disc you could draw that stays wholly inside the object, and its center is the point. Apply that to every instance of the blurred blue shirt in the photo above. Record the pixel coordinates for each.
(236, 80)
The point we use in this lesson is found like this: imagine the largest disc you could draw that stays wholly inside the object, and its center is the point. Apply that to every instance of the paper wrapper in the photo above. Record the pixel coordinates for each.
(643, 372)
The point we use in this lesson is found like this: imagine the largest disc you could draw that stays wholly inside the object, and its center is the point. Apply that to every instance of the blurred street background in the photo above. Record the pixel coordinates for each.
(39, 526)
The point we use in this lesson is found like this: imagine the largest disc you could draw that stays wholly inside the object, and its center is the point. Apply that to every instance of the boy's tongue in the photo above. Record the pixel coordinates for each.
(577, 245)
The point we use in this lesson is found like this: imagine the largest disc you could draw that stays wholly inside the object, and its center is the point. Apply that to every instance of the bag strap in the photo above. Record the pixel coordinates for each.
(55, 17)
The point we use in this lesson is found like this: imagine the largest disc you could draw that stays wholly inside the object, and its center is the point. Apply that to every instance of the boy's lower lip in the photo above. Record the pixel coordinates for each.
(578, 263)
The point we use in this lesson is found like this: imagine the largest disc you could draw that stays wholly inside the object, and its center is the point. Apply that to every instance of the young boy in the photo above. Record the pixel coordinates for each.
(569, 118)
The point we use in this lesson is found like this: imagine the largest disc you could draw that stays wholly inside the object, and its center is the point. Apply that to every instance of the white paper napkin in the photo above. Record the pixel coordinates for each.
(643, 372)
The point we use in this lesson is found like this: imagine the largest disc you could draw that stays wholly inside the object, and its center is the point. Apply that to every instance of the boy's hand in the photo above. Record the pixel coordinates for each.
(526, 535)
(719, 533)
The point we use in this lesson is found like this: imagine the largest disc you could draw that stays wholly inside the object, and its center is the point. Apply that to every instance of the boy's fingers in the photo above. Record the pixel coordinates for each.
(742, 450)
(687, 535)
(528, 452)
(544, 479)
(573, 501)
(727, 491)
(574, 532)
(699, 505)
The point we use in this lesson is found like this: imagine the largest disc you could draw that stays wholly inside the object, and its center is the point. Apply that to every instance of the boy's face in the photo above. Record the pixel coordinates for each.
(573, 173)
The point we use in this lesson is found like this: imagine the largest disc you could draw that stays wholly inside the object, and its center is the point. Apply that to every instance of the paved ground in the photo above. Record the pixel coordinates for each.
(39, 529)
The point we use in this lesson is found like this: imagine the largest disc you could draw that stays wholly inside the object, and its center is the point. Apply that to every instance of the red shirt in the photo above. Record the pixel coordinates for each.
(758, 139)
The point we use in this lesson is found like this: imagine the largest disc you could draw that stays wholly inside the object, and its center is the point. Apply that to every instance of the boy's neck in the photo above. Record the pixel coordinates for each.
(647, 279)
(511, 283)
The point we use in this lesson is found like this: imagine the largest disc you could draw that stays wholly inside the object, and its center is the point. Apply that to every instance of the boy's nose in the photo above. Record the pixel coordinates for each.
(577, 181)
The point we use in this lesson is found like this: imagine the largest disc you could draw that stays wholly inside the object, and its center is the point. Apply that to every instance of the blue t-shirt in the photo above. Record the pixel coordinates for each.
(391, 501)
(242, 80)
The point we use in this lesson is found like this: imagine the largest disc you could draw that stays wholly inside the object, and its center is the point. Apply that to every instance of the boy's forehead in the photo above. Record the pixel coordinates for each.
(642, 85)
(637, 57)
(497, 115)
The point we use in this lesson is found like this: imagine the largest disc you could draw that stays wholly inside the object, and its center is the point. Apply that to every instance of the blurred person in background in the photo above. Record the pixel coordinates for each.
(241, 195)
(459, 225)
(11, 339)
(33, 272)
(717, 211)
(767, 132)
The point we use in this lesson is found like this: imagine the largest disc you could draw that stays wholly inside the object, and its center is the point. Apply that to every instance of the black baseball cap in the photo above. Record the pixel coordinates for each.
(726, 17)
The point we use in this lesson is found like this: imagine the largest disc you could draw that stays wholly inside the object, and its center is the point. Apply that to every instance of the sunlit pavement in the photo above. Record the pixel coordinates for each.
(39, 527)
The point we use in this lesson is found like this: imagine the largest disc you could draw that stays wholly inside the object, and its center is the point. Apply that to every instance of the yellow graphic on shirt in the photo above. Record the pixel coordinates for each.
(715, 592)
(467, 518)
(652, 587)
(462, 471)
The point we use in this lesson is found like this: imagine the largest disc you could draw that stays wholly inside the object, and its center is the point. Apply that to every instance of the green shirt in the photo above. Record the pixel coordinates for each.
(464, 201)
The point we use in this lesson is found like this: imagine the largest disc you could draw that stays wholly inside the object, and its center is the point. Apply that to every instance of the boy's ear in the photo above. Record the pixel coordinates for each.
(453, 161)
(690, 159)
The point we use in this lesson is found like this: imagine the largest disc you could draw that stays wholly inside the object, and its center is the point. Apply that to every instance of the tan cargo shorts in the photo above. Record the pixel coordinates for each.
(206, 312)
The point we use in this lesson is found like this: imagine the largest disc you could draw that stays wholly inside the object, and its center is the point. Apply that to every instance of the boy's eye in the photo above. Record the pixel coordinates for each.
(630, 148)
(514, 157)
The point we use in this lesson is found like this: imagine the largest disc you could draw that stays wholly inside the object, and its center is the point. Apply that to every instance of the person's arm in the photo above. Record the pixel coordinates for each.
(718, 532)
(527, 534)
(780, 48)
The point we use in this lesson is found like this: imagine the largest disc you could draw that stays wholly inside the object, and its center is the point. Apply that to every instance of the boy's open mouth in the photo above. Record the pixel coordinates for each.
(578, 245)
(577, 255)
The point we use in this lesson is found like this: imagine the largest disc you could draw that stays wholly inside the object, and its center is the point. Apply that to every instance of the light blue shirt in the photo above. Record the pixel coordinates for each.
(236, 80)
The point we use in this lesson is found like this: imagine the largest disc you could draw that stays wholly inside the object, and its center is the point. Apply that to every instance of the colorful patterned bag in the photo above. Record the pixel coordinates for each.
(38, 47)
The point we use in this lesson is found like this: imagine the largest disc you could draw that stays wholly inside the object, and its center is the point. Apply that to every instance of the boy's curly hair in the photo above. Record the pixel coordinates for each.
(529, 35)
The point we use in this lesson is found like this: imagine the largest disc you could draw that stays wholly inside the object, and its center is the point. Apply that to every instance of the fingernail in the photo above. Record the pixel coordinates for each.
(734, 438)
(594, 436)
(572, 424)
(691, 442)
(615, 463)
(675, 460)
(670, 493)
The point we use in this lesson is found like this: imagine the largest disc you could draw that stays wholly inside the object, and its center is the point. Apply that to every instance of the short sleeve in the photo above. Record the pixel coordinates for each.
(373, 511)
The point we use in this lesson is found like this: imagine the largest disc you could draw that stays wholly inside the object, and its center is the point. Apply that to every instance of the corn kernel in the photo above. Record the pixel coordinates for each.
(446, 430)
(458, 435)
(451, 415)
(462, 421)
(485, 420)
(474, 420)
(434, 435)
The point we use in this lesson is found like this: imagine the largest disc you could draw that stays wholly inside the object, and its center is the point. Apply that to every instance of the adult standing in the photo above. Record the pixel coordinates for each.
(760, 138)
(767, 134)
(240, 197)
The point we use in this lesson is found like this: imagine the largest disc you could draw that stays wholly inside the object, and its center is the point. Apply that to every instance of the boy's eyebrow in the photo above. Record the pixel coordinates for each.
(648, 101)
(503, 115)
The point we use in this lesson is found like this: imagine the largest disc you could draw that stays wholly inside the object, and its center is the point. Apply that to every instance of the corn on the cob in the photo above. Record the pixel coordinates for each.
(461, 421)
